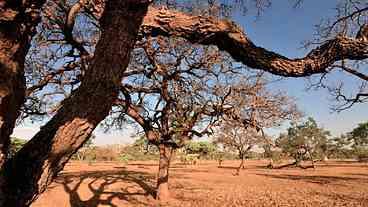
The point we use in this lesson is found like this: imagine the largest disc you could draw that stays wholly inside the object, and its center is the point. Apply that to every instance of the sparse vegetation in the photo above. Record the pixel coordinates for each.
(15, 145)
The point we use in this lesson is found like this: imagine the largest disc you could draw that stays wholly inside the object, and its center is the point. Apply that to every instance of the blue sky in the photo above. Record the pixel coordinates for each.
(281, 29)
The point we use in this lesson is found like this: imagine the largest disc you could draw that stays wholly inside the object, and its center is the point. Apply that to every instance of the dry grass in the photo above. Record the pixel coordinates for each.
(335, 183)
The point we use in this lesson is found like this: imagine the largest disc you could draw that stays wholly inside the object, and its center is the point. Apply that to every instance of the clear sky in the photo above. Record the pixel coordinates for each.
(281, 29)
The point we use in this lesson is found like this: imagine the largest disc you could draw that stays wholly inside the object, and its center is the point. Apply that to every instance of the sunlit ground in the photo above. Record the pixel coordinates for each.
(335, 183)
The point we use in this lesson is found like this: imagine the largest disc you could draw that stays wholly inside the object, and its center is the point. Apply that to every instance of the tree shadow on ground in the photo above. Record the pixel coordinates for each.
(315, 179)
(99, 183)
(188, 170)
(228, 167)
(357, 174)
(328, 165)
(144, 164)
(342, 163)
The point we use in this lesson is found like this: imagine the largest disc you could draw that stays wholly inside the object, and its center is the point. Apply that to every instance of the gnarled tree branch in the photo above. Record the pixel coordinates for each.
(229, 37)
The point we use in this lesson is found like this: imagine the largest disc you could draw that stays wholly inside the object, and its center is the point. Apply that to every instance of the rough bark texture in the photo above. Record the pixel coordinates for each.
(38, 162)
(18, 20)
(229, 37)
(163, 193)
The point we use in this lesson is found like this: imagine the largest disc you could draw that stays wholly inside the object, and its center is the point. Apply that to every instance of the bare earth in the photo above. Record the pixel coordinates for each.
(342, 183)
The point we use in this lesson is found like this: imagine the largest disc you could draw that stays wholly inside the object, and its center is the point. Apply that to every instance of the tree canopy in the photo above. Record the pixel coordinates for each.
(304, 141)
(359, 135)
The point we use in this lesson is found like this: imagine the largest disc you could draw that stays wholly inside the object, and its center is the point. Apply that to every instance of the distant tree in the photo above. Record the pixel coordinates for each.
(81, 154)
(272, 152)
(140, 150)
(267, 150)
(15, 145)
(203, 148)
(359, 138)
(340, 147)
(239, 139)
(253, 111)
(100, 153)
(304, 141)
(359, 135)
(144, 146)
(106, 153)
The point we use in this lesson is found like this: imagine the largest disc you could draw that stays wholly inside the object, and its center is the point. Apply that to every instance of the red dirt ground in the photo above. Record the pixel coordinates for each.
(335, 183)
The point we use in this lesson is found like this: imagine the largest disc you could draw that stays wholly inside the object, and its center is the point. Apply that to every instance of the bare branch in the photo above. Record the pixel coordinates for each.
(229, 37)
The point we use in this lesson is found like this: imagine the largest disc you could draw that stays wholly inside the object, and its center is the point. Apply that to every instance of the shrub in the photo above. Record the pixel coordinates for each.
(362, 154)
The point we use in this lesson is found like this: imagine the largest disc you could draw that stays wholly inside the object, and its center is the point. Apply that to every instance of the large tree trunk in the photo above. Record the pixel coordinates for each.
(12, 90)
(33, 168)
(163, 193)
(18, 20)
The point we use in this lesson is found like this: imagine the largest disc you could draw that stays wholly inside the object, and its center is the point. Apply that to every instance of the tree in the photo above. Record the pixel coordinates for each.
(304, 141)
(272, 152)
(18, 22)
(202, 29)
(203, 148)
(239, 139)
(177, 91)
(15, 145)
(359, 135)
(48, 151)
(339, 147)
(253, 110)
(144, 145)
(359, 138)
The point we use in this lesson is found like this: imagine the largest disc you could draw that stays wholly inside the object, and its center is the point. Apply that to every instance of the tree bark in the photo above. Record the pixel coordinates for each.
(270, 164)
(220, 162)
(12, 91)
(33, 168)
(163, 193)
(231, 38)
(241, 166)
(18, 21)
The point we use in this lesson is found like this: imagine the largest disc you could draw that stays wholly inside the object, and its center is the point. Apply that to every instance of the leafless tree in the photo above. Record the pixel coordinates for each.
(254, 110)
(174, 90)
(238, 138)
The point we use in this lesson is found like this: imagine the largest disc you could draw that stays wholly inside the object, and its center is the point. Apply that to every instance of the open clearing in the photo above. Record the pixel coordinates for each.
(335, 183)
